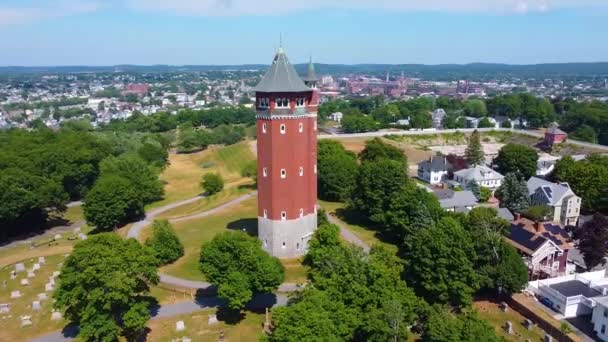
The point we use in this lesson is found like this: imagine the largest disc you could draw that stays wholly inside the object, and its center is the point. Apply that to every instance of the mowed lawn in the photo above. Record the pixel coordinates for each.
(41, 319)
(193, 233)
(366, 234)
(198, 329)
(183, 175)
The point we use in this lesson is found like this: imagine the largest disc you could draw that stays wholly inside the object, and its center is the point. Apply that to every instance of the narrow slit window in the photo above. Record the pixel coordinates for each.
(283, 173)
(283, 215)
(301, 171)
(301, 127)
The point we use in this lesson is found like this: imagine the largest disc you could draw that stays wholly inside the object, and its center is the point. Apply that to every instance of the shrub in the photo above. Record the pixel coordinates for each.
(165, 243)
(212, 183)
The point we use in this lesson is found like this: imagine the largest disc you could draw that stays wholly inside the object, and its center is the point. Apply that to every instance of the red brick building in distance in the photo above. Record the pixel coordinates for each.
(554, 135)
(138, 89)
(286, 109)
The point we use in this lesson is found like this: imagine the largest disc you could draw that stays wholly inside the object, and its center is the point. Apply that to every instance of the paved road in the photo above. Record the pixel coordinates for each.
(171, 310)
(347, 234)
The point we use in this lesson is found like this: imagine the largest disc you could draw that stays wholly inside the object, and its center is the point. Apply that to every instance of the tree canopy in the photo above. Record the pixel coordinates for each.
(165, 243)
(474, 152)
(104, 286)
(337, 171)
(112, 201)
(588, 179)
(212, 183)
(517, 158)
(513, 193)
(240, 267)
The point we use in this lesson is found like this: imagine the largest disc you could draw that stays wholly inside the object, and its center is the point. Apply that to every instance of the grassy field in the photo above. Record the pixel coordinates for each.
(182, 177)
(198, 329)
(41, 319)
(367, 235)
(193, 233)
(492, 313)
(74, 214)
(206, 203)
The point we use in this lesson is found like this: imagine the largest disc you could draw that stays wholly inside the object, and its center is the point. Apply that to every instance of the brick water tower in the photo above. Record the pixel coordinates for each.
(287, 159)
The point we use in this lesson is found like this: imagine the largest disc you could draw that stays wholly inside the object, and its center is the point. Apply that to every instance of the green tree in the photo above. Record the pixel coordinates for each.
(250, 170)
(473, 187)
(485, 123)
(475, 108)
(377, 182)
(133, 168)
(112, 201)
(517, 158)
(440, 264)
(165, 243)
(474, 152)
(337, 171)
(240, 267)
(212, 183)
(104, 287)
(357, 123)
(588, 179)
(411, 209)
(313, 316)
(376, 149)
(513, 193)
(442, 326)
(585, 133)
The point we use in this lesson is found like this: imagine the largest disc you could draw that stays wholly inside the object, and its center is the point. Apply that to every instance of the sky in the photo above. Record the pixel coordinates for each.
(203, 32)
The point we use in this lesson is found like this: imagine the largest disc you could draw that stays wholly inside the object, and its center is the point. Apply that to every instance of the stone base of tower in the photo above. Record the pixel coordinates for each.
(287, 238)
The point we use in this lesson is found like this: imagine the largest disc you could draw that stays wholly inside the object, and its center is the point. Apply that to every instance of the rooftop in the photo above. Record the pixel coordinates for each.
(281, 77)
(528, 236)
(573, 288)
(456, 199)
(478, 173)
(554, 192)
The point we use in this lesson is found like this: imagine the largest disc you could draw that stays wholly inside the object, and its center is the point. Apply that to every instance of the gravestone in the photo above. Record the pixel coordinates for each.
(56, 274)
(51, 280)
(31, 274)
(5, 308)
(36, 305)
(24, 282)
(528, 324)
(186, 339)
(20, 267)
(57, 236)
(15, 294)
(36, 267)
(504, 307)
(222, 336)
(42, 296)
(26, 321)
(48, 287)
(76, 230)
(180, 326)
(548, 338)
(82, 236)
(212, 320)
(13, 274)
(4, 283)
(41, 260)
(56, 315)
(508, 327)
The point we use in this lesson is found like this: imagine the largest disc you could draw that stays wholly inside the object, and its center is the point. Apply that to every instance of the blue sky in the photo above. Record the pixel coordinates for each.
(178, 32)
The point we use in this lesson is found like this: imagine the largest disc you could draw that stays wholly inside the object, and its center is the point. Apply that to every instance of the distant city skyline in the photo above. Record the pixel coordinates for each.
(232, 32)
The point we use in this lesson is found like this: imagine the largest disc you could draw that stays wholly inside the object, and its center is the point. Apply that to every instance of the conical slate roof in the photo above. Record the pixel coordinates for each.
(281, 77)
(311, 76)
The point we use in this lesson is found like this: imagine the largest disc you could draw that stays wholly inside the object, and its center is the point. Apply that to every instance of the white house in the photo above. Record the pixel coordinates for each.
(573, 295)
(599, 318)
(545, 164)
(434, 170)
(483, 175)
(560, 198)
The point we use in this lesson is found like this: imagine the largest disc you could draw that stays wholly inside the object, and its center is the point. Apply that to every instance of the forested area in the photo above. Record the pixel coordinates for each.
(42, 170)
(586, 121)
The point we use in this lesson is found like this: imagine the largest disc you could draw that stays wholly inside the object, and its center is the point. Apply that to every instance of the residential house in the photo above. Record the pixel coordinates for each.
(483, 175)
(566, 206)
(456, 201)
(544, 245)
(599, 318)
(576, 295)
(554, 135)
(434, 170)
(545, 164)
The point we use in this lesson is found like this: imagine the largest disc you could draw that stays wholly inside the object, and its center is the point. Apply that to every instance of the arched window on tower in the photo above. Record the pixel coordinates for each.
(301, 171)
(301, 127)
(264, 127)
(283, 128)
(282, 102)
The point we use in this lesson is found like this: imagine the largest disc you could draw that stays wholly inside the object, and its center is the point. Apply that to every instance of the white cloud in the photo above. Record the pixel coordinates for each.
(276, 7)
(35, 11)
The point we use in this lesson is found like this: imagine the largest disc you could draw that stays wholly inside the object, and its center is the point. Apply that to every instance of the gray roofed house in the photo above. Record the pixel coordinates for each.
(281, 77)
(565, 204)
(459, 201)
(434, 170)
(483, 175)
